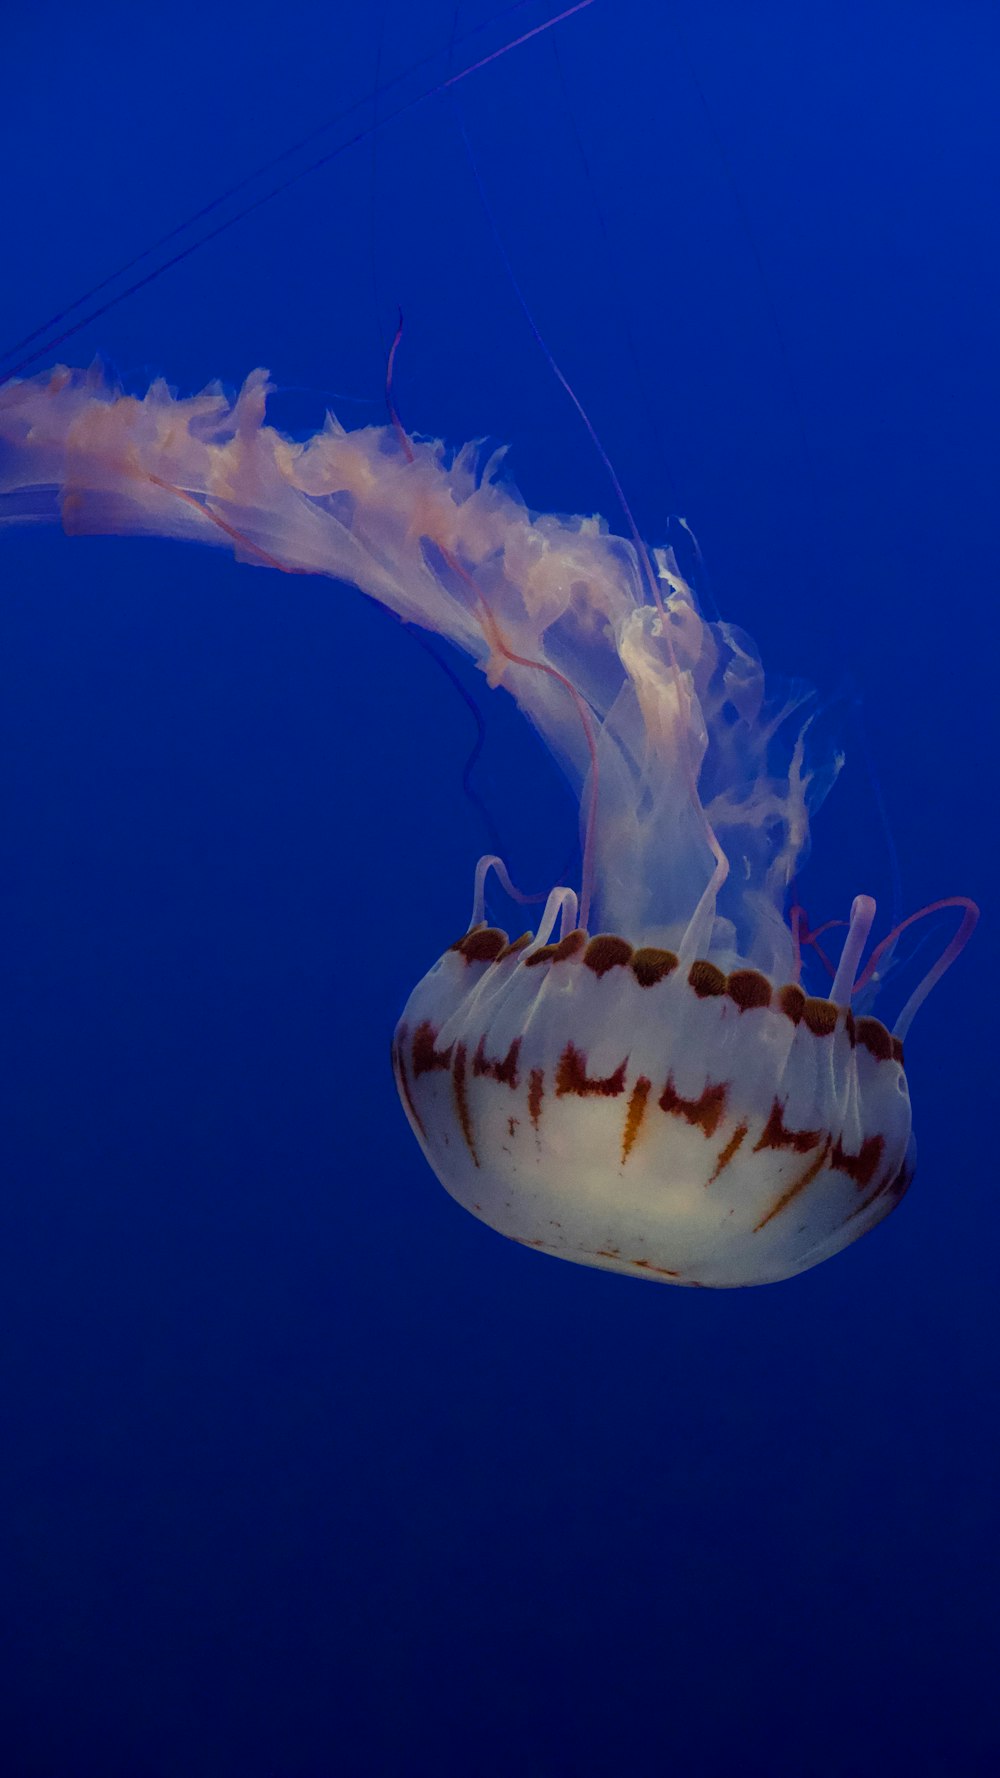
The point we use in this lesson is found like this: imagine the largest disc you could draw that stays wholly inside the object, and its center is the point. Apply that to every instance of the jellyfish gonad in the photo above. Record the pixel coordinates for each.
(643, 1083)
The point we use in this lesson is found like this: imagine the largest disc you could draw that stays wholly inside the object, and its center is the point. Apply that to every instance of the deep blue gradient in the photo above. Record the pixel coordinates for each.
(304, 1473)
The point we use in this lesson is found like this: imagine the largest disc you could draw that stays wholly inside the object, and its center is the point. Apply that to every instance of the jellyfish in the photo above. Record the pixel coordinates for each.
(643, 1082)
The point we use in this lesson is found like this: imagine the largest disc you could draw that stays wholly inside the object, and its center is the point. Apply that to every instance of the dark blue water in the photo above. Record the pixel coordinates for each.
(304, 1472)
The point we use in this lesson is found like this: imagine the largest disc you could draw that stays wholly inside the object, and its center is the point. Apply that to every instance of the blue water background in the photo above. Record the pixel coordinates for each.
(305, 1472)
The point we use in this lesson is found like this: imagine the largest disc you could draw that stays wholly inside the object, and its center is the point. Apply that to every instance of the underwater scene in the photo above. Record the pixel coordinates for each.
(495, 506)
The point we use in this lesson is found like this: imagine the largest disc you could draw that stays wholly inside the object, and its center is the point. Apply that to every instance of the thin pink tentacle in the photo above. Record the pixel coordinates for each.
(952, 950)
(397, 427)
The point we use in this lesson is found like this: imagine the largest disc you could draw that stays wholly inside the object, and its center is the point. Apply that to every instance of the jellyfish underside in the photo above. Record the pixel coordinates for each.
(642, 1084)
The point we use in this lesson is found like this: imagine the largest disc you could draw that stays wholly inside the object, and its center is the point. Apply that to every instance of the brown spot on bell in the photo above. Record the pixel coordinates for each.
(558, 953)
(873, 1034)
(605, 952)
(748, 988)
(482, 945)
(650, 965)
(819, 1016)
(706, 980)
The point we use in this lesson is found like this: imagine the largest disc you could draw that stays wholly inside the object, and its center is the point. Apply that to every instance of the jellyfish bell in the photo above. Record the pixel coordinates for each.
(643, 1083)
(631, 1109)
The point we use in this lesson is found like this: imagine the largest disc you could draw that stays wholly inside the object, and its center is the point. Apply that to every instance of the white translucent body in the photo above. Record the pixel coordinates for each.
(609, 1178)
(695, 791)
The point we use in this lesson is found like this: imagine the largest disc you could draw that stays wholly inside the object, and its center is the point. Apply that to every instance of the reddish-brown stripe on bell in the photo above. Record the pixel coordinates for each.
(777, 1136)
(504, 1071)
(536, 1093)
(732, 1147)
(425, 1057)
(860, 1167)
(462, 1100)
(399, 1051)
(792, 1191)
(705, 1112)
(572, 1077)
(634, 1115)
